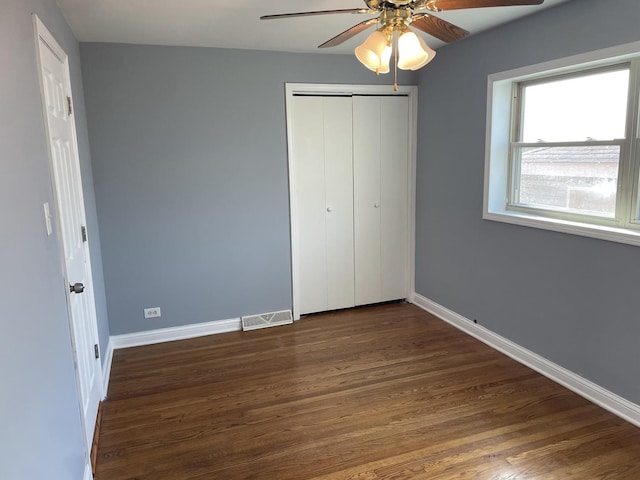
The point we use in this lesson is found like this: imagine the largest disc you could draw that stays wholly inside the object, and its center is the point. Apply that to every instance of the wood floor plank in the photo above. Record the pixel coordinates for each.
(386, 392)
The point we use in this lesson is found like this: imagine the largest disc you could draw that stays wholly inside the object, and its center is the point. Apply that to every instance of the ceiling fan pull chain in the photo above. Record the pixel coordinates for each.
(395, 63)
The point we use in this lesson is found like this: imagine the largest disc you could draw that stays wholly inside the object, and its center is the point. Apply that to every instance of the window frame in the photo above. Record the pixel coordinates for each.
(504, 118)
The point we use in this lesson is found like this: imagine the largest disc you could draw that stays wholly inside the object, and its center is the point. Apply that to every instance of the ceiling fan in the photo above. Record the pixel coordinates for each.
(393, 33)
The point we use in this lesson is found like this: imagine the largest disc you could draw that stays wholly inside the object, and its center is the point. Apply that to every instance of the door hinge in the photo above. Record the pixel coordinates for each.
(83, 229)
(69, 106)
(96, 351)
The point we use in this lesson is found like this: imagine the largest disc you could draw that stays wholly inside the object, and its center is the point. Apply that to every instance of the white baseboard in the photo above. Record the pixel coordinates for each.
(574, 382)
(161, 335)
(106, 368)
(170, 334)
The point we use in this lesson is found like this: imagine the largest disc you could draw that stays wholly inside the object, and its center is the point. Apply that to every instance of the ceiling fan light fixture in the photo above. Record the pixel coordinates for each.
(375, 52)
(413, 51)
(393, 35)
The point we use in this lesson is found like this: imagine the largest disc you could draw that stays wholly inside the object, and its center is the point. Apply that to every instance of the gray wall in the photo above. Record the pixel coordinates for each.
(190, 168)
(573, 300)
(40, 431)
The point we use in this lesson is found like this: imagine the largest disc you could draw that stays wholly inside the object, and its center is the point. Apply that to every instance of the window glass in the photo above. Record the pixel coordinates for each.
(578, 179)
(576, 108)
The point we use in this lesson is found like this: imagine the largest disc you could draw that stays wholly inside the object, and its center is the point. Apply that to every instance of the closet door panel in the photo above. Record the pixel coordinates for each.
(394, 205)
(351, 206)
(308, 147)
(367, 131)
(338, 166)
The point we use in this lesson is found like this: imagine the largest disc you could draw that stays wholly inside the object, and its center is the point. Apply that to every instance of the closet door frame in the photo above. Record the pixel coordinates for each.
(293, 89)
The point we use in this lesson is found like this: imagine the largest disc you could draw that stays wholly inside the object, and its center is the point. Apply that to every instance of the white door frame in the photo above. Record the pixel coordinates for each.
(44, 38)
(292, 89)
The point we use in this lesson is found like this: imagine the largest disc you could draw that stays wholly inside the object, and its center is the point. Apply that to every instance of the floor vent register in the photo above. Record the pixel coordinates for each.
(264, 320)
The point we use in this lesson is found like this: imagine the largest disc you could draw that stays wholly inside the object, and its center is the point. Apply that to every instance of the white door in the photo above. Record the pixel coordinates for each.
(322, 145)
(381, 197)
(367, 159)
(71, 221)
(352, 161)
(394, 198)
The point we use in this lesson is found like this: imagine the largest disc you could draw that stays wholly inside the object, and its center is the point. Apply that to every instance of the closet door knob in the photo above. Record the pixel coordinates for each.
(329, 209)
(76, 288)
(376, 205)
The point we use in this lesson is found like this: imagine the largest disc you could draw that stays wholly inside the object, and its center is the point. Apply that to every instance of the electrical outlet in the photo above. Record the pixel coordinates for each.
(152, 312)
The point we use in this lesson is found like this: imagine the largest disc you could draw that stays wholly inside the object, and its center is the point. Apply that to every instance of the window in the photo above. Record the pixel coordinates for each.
(569, 132)
(562, 147)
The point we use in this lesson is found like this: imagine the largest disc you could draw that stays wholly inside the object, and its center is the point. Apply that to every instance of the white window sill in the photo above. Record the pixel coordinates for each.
(612, 234)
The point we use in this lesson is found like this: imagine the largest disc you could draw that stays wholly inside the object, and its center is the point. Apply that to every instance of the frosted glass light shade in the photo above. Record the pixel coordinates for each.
(413, 52)
(384, 60)
(375, 52)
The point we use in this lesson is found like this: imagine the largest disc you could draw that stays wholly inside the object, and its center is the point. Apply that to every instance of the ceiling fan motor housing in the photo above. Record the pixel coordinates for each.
(395, 16)
(378, 5)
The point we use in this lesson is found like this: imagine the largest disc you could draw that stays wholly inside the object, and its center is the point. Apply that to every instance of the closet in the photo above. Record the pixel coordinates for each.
(350, 176)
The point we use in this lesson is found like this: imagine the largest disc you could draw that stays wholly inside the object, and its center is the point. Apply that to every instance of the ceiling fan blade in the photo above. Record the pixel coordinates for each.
(444, 5)
(347, 34)
(320, 12)
(441, 29)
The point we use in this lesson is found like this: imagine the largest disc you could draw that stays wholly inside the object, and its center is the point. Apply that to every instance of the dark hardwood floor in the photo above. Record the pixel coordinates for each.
(386, 392)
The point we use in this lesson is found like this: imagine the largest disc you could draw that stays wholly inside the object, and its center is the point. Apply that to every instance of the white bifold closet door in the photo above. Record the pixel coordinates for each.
(381, 200)
(322, 143)
(351, 196)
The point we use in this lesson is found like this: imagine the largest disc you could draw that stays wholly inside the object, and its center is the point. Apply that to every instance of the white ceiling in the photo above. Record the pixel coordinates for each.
(236, 24)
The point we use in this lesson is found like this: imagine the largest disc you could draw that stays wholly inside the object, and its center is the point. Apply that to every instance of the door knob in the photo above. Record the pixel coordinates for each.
(329, 209)
(376, 205)
(76, 288)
